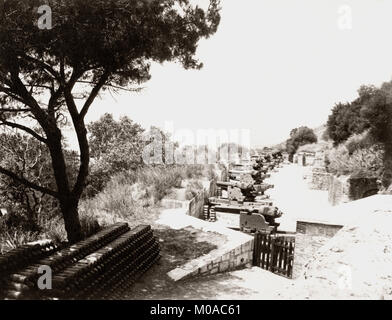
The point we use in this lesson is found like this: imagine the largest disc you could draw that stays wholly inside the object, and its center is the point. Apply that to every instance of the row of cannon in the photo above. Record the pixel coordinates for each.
(244, 193)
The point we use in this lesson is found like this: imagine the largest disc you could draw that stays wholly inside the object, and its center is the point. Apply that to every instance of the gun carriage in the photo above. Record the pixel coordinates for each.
(244, 197)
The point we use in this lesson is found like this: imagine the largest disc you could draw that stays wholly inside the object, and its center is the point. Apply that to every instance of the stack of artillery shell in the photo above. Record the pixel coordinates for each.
(99, 267)
(23, 282)
(110, 270)
(18, 259)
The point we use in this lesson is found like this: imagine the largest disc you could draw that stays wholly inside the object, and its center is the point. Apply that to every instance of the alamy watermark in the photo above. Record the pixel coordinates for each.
(45, 18)
(201, 146)
(45, 281)
(345, 17)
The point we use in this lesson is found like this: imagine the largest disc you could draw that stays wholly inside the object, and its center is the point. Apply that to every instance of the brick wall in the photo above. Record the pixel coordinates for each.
(218, 261)
(234, 259)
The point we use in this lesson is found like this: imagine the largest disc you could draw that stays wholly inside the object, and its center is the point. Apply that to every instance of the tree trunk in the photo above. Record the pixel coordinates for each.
(68, 202)
(69, 209)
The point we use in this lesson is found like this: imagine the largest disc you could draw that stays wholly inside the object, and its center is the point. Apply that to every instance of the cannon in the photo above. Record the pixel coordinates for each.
(243, 190)
(244, 196)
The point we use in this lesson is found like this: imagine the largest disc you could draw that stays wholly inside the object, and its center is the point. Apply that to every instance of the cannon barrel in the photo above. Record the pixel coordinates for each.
(251, 172)
(263, 187)
(224, 185)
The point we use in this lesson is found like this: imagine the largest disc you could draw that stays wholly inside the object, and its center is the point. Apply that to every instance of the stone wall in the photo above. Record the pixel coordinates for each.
(344, 189)
(317, 228)
(305, 158)
(338, 190)
(319, 180)
(229, 258)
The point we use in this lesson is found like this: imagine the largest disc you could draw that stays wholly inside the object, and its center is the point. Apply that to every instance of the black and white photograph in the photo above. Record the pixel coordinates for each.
(195, 150)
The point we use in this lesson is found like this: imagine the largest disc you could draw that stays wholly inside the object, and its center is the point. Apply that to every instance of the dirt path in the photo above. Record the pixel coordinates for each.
(293, 197)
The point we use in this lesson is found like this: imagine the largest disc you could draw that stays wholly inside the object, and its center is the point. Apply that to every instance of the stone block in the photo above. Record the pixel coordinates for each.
(203, 269)
(214, 270)
(241, 259)
(217, 260)
(226, 256)
(178, 274)
(246, 247)
(224, 266)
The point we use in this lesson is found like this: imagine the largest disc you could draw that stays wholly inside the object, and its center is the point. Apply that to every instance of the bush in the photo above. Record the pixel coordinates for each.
(193, 171)
(192, 189)
(367, 162)
(345, 120)
(15, 230)
(299, 137)
(211, 174)
(359, 141)
(15, 237)
(161, 179)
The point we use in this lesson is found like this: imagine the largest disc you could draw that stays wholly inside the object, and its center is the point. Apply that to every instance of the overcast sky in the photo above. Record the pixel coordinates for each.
(272, 66)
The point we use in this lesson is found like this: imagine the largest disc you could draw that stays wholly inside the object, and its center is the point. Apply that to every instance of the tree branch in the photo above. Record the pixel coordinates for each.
(24, 128)
(13, 110)
(42, 64)
(93, 94)
(19, 89)
(81, 133)
(28, 183)
(113, 86)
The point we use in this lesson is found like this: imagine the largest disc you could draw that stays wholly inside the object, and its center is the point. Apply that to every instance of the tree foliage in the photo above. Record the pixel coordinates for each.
(371, 111)
(345, 120)
(299, 137)
(116, 146)
(29, 159)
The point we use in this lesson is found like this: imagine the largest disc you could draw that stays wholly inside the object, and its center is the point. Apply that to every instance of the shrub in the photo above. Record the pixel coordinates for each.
(299, 137)
(359, 141)
(160, 179)
(193, 171)
(211, 174)
(192, 189)
(365, 162)
(11, 238)
(345, 120)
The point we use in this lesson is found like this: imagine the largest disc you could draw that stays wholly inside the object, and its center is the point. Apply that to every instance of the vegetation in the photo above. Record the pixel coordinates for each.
(43, 72)
(192, 189)
(345, 120)
(134, 195)
(364, 162)
(370, 115)
(299, 137)
(115, 147)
